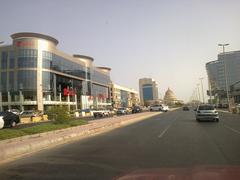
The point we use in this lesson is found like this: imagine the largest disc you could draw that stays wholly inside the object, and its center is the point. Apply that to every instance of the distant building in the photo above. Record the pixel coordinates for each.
(170, 98)
(216, 75)
(148, 89)
(123, 97)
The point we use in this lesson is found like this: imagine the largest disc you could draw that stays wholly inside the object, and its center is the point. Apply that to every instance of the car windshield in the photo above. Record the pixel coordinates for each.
(206, 108)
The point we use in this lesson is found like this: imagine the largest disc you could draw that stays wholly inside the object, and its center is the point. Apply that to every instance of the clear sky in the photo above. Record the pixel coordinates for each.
(168, 40)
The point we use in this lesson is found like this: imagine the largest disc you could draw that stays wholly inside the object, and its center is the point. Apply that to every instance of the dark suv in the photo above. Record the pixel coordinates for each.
(136, 109)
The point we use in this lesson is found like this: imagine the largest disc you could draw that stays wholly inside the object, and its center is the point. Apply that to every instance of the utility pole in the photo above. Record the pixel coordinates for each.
(198, 91)
(201, 79)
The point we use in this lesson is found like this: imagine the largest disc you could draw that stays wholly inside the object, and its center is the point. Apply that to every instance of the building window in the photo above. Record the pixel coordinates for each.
(11, 80)
(27, 80)
(11, 60)
(4, 60)
(27, 58)
(4, 81)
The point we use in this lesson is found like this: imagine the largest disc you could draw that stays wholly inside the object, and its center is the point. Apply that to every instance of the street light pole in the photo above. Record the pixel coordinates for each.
(202, 89)
(198, 91)
(225, 73)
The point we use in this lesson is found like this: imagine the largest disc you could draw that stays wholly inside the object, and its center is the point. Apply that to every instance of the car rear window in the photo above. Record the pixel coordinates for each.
(206, 108)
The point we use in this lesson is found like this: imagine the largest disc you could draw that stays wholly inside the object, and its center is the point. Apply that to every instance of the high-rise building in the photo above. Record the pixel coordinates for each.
(216, 74)
(148, 90)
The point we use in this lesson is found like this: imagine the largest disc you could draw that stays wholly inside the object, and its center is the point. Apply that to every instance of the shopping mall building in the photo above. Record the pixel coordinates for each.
(34, 74)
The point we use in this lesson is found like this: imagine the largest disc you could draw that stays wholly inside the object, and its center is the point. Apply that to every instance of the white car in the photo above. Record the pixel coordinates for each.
(155, 107)
(1, 122)
(207, 113)
(165, 108)
(158, 107)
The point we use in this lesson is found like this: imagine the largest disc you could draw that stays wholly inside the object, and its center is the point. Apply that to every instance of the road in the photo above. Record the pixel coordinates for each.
(172, 139)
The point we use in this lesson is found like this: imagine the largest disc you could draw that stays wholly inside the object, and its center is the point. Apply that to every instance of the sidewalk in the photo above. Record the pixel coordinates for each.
(13, 148)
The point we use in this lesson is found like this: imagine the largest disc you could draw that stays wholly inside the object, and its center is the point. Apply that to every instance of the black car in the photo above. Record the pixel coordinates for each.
(10, 119)
(185, 108)
(136, 109)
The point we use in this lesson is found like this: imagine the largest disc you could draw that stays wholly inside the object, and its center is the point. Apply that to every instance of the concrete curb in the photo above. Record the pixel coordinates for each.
(13, 148)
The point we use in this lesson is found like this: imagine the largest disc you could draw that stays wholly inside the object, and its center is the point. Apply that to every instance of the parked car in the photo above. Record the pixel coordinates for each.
(8, 119)
(15, 111)
(29, 113)
(165, 108)
(158, 107)
(122, 111)
(155, 107)
(136, 109)
(185, 108)
(207, 113)
(101, 113)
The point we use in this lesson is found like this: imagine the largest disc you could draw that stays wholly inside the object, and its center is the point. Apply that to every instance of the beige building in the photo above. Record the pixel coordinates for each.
(148, 89)
(170, 98)
(123, 97)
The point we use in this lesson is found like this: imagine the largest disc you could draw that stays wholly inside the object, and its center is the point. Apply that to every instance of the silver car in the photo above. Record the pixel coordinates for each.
(206, 113)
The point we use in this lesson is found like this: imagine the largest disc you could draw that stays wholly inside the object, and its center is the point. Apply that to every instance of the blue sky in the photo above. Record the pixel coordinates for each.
(168, 40)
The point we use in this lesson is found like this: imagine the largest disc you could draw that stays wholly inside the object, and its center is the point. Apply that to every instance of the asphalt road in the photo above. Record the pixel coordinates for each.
(173, 139)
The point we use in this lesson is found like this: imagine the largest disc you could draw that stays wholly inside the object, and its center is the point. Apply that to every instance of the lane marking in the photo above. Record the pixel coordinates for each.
(234, 130)
(164, 131)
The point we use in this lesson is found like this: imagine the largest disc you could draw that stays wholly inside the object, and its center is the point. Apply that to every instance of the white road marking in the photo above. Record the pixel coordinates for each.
(234, 130)
(164, 131)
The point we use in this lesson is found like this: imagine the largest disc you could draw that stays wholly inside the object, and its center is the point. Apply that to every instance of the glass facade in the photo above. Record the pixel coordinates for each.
(100, 77)
(63, 79)
(54, 62)
(27, 58)
(26, 80)
(4, 60)
(147, 92)
(100, 92)
(124, 98)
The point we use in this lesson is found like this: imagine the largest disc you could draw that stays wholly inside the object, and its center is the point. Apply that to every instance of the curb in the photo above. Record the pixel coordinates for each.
(11, 149)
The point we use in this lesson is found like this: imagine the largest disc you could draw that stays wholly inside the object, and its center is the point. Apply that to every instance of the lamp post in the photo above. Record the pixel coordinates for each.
(198, 91)
(225, 73)
(202, 89)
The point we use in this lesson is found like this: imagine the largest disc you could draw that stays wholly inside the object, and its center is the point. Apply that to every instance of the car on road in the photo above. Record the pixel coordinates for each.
(165, 108)
(8, 119)
(158, 107)
(122, 111)
(207, 113)
(155, 107)
(185, 108)
(136, 109)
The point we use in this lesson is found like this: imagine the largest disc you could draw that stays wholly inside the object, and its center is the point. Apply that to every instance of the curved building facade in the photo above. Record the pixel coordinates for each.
(34, 74)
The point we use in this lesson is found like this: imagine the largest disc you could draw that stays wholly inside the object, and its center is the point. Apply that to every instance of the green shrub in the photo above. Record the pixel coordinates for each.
(59, 114)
